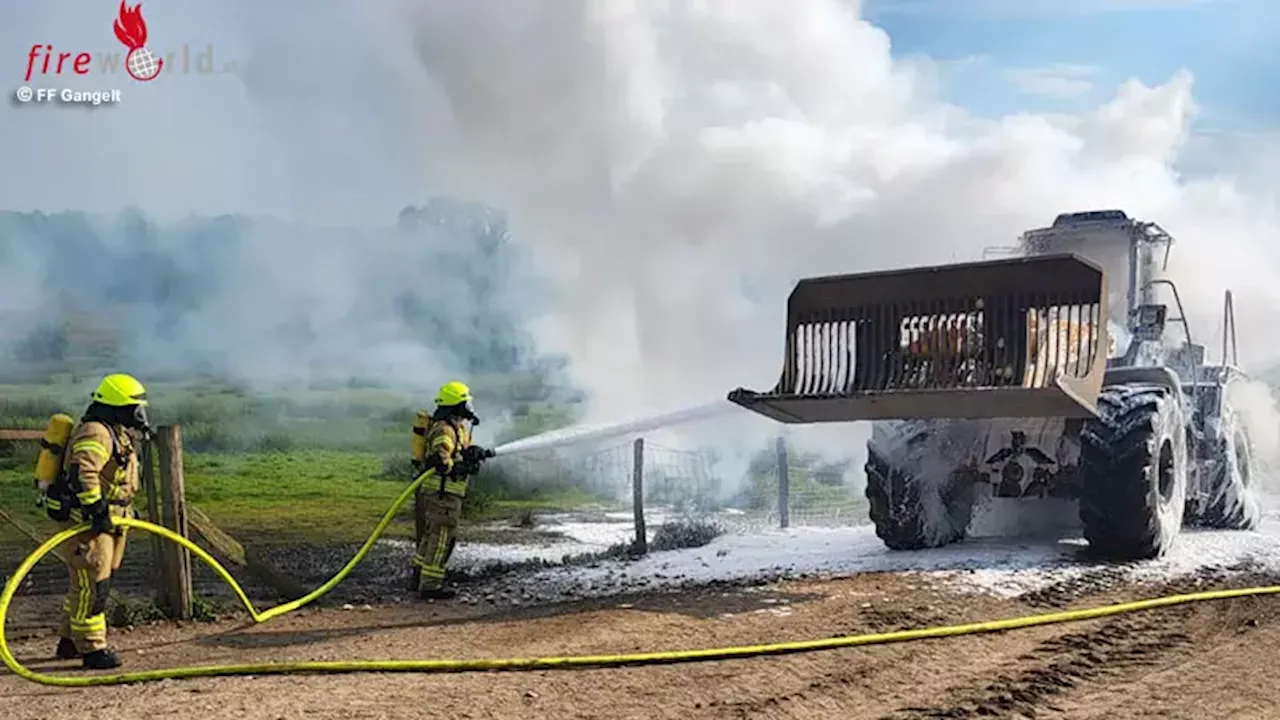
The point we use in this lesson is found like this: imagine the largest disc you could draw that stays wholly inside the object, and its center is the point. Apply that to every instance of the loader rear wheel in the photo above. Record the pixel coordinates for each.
(1233, 503)
(1134, 462)
(911, 513)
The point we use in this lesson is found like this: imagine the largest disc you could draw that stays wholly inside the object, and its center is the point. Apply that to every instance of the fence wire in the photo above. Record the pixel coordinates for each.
(682, 489)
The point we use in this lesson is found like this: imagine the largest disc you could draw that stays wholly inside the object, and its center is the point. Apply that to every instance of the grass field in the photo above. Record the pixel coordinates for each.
(320, 464)
(305, 497)
(311, 464)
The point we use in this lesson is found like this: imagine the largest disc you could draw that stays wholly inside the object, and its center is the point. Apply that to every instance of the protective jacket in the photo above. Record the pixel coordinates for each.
(102, 463)
(446, 440)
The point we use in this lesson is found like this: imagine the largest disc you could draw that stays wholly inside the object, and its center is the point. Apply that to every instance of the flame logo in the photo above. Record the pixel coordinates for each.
(130, 27)
(131, 30)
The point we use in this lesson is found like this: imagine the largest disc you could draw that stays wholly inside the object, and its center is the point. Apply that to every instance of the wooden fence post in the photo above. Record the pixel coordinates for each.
(637, 496)
(148, 457)
(784, 484)
(176, 566)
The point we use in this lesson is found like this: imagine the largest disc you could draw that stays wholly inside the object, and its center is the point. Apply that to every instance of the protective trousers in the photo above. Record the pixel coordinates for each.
(93, 558)
(443, 514)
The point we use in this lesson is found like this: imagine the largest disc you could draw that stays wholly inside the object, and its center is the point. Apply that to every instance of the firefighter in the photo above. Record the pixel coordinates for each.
(444, 445)
(98, 481)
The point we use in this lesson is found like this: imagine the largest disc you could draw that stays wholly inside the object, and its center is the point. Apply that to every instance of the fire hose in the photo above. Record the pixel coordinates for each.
(514, 664)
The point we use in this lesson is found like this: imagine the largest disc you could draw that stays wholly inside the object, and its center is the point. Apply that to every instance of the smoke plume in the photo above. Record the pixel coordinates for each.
(670, 167)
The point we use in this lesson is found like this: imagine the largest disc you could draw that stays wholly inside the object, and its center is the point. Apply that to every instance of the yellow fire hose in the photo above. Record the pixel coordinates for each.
(532, 663)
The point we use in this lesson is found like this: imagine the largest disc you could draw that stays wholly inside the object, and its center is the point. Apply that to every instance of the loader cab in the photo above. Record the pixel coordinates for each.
(1128, 250)
(1071, 220)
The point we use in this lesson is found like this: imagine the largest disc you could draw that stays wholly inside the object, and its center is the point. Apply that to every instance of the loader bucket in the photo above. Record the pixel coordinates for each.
(1017, 337)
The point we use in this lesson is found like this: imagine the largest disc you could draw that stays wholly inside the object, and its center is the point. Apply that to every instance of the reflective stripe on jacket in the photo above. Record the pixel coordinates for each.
(445, 441)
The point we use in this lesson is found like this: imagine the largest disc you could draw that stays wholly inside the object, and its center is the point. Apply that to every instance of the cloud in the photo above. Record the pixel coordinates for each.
(658, 153)
(656, 157)
(1009, 9)
(1060, 81)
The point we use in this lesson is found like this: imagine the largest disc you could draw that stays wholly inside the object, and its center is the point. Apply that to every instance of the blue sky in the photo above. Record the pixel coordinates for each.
(999, 56)
(1010, 55)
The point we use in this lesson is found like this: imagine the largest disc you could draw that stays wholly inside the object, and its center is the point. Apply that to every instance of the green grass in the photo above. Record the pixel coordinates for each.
(309, 496)
(303, 464)
(294, 498)
(17, 497)
(224, 418)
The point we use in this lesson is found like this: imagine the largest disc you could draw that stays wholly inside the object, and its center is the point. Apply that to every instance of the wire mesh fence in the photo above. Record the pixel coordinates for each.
(311, 511)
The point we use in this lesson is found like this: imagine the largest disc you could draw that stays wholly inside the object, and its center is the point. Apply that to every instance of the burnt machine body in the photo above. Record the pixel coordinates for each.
(1025, 377)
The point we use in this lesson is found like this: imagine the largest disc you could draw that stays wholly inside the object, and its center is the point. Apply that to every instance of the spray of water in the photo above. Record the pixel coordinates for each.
(593, 433)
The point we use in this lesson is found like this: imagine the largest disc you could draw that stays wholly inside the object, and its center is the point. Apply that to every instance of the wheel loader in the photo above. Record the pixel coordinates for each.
(1055, 374)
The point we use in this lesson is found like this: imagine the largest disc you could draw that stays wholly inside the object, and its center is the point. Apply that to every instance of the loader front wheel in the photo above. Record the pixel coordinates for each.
(911, 513)
(1134, 462)
(1232, 503)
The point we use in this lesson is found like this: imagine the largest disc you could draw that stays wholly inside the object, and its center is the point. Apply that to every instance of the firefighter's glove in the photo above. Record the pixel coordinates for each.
(472, 458)
(99, 516)
(56, 505)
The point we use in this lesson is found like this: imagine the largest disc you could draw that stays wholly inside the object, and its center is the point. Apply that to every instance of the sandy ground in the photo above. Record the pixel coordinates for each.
(1201, 661)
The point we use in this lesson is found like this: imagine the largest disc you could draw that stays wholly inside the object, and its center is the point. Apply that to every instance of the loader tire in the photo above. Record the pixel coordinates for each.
(1233, 502)
(913, 515)
(1134, 462)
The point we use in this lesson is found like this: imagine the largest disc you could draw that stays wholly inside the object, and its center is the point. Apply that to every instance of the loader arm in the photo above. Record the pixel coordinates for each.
(1015, 337)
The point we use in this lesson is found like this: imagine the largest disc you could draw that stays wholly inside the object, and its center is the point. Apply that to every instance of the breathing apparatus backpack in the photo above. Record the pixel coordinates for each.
(419, 445)
(50, 480)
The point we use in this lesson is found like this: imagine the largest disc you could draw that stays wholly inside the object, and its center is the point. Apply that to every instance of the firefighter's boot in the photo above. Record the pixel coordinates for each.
(103, 659)
(67, 649)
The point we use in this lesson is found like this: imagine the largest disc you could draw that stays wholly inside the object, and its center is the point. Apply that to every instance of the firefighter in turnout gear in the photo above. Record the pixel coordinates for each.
(98, 480)
(442, 445)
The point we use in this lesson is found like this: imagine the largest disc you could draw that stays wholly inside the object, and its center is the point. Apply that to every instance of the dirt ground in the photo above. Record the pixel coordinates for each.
(1208, 660)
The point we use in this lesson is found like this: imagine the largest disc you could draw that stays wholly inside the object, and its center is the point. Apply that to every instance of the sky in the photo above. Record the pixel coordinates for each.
(1008, 56)
(674, 166)
(991, 57)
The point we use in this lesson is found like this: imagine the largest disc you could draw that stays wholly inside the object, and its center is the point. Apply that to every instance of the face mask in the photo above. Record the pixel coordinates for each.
(140, 422)
(471, 412)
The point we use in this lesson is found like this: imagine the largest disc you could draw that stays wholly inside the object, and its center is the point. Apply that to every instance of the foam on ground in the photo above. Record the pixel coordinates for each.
(1002, 567)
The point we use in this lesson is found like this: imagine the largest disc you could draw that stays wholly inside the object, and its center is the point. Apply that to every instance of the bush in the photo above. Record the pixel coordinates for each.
(478, 503)
(276, 442)
(685, 534)
(525, 519)
(203, 437)
(30, 412)
(134, 612)
(397, 466)
(18, 455)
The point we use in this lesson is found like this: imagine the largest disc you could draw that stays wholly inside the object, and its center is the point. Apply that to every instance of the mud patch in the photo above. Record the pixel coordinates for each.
(1062, 593)
(1059, 665)
(1104, 654)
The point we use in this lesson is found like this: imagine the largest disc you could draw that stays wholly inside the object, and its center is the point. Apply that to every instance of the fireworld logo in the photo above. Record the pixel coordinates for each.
(130, 28)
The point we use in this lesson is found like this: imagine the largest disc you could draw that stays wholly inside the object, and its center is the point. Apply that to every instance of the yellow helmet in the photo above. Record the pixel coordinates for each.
(120, 390)
(453, 393)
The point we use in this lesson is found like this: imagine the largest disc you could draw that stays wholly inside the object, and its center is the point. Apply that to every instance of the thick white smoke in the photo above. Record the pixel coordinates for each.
(679, 164)
(675, 165)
